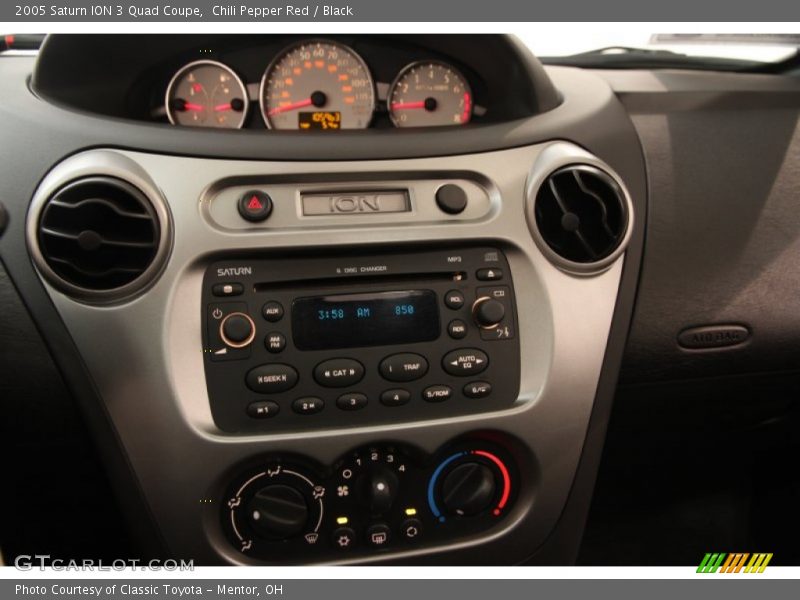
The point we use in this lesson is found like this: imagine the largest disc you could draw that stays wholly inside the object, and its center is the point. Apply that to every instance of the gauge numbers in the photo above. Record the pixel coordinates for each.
(428, 94)
(318, 86)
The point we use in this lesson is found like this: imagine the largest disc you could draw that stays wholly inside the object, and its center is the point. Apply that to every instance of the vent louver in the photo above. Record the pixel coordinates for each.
(98, 234)
(581, 214)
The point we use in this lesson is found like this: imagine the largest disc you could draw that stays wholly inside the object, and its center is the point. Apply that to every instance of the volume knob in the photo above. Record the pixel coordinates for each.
(237, 330)
(488, 312)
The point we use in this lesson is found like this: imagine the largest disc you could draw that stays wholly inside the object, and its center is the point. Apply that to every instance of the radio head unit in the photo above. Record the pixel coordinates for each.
(291, 344)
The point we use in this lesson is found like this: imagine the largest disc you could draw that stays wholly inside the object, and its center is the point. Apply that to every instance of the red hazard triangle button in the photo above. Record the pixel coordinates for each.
(255, 206)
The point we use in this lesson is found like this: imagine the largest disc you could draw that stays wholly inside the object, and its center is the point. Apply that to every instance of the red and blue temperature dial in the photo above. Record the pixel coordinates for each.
(469, 483)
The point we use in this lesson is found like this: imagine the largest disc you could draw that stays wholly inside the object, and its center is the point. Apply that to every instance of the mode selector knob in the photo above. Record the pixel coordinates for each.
(237, 330)
(488, 312)
(468, 489)
(278, 512)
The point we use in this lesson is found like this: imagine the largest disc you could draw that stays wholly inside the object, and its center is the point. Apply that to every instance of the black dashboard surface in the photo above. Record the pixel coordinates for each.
(721, 153)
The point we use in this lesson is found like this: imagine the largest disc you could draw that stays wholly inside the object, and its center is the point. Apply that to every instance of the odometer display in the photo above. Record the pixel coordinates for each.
(429, 94)
(318, 80)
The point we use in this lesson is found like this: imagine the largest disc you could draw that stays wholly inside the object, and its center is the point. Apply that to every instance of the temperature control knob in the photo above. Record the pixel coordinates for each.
(470, 483)
(277, 512)
(468, 489)
(237, 330)
(488, 312)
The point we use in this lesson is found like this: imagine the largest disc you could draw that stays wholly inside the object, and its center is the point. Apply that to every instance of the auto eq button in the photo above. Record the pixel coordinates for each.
(403, 367)
(338, 372)
(272, 378)
(465, 362)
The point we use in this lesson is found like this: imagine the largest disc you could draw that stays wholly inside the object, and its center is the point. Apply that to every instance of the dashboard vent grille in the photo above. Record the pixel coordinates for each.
(98, 233)
(581, 214)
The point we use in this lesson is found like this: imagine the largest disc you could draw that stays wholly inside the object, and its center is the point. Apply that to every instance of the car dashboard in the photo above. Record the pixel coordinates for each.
(349, 299)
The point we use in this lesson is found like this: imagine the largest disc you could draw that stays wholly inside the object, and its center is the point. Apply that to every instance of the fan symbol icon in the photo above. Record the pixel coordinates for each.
(342, 490)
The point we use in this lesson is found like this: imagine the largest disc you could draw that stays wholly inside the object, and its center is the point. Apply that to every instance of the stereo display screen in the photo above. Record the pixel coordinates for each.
(366, 319)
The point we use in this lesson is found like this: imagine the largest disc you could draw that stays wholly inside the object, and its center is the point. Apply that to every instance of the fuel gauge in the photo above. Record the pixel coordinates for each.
(207, 93)
(429, 94)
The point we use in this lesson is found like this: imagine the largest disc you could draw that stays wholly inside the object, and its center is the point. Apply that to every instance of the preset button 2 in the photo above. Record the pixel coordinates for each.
(308, 406)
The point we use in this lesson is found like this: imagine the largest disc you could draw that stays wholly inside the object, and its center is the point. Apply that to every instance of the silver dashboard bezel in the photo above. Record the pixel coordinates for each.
(145, 365)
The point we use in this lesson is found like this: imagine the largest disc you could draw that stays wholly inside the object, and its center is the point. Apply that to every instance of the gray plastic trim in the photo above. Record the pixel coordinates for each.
(553, 158)
(146, 355)
(85, 166)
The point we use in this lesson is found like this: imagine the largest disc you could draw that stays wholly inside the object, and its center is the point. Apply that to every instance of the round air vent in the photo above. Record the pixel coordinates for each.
(98, 235)
(581, 214)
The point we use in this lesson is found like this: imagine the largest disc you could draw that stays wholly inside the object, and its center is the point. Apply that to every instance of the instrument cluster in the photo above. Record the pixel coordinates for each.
(319, 85)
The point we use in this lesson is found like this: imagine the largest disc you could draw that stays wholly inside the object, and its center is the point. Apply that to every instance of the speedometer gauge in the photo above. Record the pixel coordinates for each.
(428, 94)
(317, 85)
(206, 93)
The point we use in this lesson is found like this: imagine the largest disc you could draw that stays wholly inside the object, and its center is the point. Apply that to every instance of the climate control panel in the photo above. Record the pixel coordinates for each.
(379, 498)
(292, 344)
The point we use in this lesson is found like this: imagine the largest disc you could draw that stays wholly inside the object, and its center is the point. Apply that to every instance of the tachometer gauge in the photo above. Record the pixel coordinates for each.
(427, 94)
(206, 93)
(317, 85)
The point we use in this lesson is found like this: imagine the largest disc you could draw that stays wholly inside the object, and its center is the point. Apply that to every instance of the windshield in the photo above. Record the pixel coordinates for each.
(615, 47)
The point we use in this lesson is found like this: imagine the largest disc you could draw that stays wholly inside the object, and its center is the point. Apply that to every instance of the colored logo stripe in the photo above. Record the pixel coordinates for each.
(734, 562)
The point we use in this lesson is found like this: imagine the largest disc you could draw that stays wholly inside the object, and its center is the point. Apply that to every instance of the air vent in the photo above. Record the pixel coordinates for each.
(581, 214)
(98, 234)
